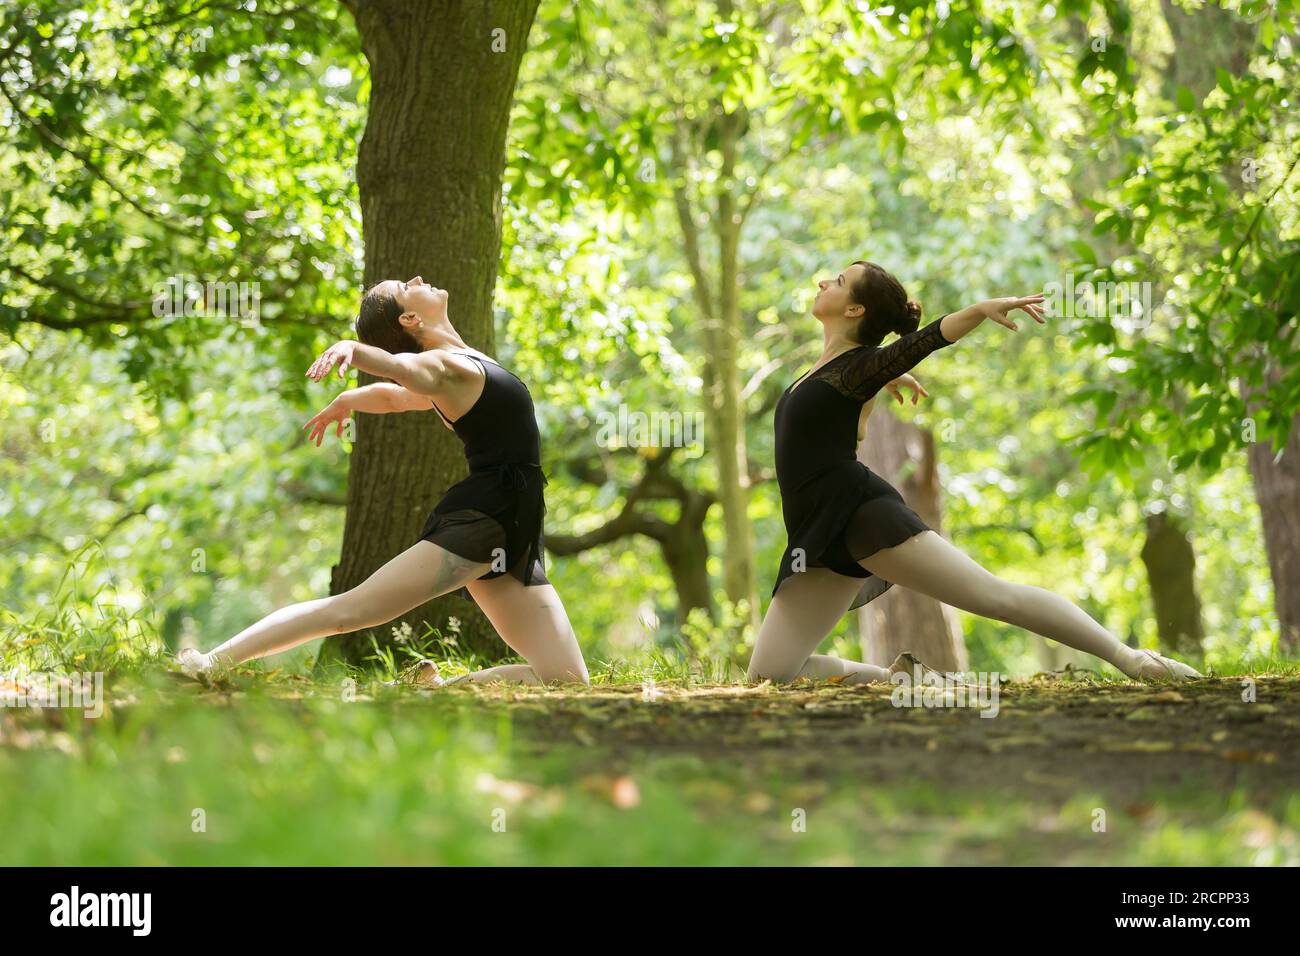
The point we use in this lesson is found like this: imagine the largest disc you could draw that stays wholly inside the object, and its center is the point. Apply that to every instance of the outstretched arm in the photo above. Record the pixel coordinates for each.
(867, 371)
(377, 399)
(424, 373)
(384, 397)
(956, 324)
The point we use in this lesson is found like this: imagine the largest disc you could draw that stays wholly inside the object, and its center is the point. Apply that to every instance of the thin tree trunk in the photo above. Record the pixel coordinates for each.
(900, 619)
(729, 438)
(429, 173)
(1171, 571)
(686, 552)
(683, 543)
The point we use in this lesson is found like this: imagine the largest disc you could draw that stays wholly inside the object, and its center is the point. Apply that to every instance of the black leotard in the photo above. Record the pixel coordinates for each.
(495, 514)
(837, 511)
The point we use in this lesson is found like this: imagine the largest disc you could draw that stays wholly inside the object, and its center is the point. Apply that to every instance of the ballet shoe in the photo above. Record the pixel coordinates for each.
(1158, 667)
(192, 662)
(423, 673)
(428, 674)
(911, 664)
(906, 661)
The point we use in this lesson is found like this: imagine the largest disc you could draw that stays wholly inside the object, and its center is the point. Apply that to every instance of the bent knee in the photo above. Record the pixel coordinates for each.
(760, 672)
(570, 674)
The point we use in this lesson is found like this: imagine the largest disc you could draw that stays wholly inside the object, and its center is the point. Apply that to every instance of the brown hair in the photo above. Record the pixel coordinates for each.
(888, 309)
(377, 324)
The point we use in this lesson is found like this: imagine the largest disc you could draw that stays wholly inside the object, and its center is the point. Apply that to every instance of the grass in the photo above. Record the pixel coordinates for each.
(284, 771)
(664, 760)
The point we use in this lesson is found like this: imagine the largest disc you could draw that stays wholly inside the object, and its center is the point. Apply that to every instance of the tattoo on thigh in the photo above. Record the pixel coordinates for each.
(454, 571)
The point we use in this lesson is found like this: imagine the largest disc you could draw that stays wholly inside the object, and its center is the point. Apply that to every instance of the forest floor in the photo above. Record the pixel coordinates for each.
(1048, 737)
(1062, 771)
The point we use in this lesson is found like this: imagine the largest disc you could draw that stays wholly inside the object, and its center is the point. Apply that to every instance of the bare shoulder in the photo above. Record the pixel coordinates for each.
(451, 367)
(470, 354)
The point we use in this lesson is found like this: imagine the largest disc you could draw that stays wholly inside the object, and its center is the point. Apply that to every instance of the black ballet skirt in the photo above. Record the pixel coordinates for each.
(495, 514)
(837, 510)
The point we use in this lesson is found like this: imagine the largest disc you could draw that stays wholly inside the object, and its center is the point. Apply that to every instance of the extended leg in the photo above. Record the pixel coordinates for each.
(532, 620)
(418, 574)
(929, 564)
(800, 616)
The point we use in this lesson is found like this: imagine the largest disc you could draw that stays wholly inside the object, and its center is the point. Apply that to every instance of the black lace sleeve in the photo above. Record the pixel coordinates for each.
(866, 371)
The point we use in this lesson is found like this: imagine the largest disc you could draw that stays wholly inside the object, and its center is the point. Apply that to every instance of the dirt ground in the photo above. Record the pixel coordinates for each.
(1050, 737)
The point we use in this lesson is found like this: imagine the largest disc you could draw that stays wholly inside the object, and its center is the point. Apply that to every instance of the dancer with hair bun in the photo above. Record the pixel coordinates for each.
(851, 536)
(485, 534)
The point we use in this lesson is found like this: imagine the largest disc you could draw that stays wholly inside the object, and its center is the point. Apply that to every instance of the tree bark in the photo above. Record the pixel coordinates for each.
(1171, 571)
(900, 619)
(1277, 492)
(429, 173)
(729, 439)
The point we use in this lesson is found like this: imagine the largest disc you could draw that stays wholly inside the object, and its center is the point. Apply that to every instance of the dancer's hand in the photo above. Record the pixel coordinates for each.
(339, 352)
(906, 381)
(339, 410)
(997, 309)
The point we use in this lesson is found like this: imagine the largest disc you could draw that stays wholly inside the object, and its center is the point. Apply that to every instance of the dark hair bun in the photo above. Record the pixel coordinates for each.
(886, 307)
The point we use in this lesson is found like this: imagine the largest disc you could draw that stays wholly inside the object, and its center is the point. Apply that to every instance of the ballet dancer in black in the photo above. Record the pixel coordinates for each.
(485, 534)
(851, 536)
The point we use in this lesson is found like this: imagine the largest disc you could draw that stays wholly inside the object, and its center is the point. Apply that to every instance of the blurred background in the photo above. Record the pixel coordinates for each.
(194, 194)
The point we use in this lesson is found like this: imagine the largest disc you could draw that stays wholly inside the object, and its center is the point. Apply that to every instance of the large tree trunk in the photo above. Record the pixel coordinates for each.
(429, 172)
(1171, 571)
(902, 620)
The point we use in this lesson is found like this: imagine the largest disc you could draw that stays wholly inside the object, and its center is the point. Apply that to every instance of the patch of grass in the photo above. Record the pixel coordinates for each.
(83, 627)
(272, 768)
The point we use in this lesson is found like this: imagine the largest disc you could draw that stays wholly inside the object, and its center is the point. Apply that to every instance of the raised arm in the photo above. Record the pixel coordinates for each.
(957, 324)
(869, 370)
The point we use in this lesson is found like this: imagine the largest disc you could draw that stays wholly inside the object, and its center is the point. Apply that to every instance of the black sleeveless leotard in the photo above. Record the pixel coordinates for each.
(495, 514)
(837, 511)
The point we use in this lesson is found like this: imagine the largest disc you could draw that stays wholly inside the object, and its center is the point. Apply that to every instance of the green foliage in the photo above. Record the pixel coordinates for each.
(720, 648)
(200, 144)
(1207, 208)
(76, 630)
(965, 146)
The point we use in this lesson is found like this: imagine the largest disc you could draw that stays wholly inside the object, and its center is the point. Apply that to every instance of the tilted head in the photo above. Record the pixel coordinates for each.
(867, 303)
(394, 314)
